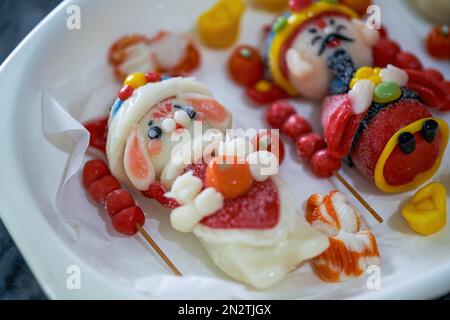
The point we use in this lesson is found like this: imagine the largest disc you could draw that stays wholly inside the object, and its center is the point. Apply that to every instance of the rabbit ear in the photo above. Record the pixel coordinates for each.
(137, 163)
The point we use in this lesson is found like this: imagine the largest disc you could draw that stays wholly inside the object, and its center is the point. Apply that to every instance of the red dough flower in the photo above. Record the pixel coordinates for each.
(438, 42)
(245, 65)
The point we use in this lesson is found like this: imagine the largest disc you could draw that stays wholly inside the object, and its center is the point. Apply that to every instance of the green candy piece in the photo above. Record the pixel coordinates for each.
(386, 92)
(279, 24)
(330, 1)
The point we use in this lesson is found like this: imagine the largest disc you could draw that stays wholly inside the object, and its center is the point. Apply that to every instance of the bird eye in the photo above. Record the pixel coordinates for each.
(332, 22)
(406, 142)
(154, 132)
(429, 130)
(312, 30)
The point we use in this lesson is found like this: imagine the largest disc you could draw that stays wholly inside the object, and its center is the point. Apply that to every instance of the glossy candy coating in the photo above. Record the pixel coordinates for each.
(438, 42)
(278, 113)
(229, 175)
(135, 80)
(246, 66)
(387, 92)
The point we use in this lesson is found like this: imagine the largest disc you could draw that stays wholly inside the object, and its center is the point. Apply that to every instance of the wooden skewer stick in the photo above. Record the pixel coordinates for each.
(358, 196)
(158, 250)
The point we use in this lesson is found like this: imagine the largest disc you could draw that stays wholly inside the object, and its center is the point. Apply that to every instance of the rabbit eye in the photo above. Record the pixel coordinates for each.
(407, 142)
(154, 132)
(189, 110)
(429, 130)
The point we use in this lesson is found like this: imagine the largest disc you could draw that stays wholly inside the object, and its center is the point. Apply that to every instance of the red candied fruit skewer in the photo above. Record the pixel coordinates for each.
(126, 217)
(105, 189)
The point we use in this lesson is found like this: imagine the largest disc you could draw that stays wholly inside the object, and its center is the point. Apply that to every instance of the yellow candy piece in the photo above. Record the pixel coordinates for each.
(219, 26)
(262, 86)
(135, 80)
(427, 212)
(270, 5)
(366, 73)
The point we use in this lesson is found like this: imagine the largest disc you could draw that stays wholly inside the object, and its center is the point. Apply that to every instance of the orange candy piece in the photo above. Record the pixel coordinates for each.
(229, 175)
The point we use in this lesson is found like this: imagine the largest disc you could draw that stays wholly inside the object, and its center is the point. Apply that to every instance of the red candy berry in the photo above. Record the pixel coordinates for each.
(125, 92)
(406, 60)
(94, 170)
(152, 77)
(295, 126)
(101, 188)
(117, 201)
(125, 220)
(278, 113)
(309, 144)
(385, 52)
(323, 165)
(438, 42)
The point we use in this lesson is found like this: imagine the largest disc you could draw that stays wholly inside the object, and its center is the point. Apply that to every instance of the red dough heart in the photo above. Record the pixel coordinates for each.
(258, 209)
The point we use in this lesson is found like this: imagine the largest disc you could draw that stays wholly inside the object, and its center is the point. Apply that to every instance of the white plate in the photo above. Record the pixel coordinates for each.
(31, 168)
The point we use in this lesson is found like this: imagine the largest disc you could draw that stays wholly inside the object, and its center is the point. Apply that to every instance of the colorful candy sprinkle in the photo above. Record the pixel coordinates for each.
(279, 24)
(125, 92)
(366, 73)
(152, 77)
(135, 80)
(386, 92)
